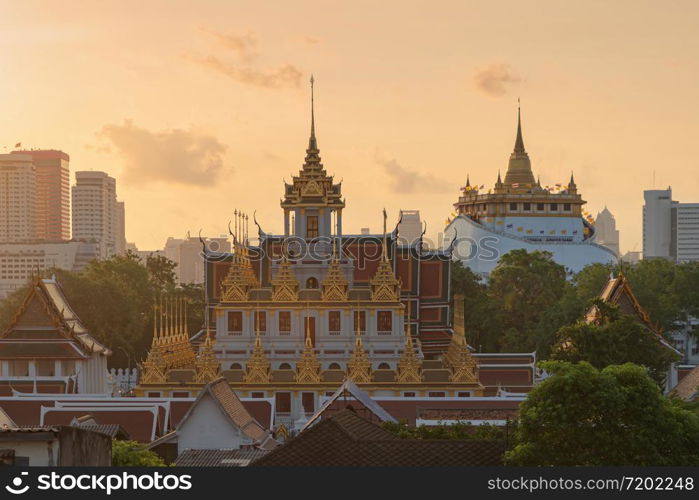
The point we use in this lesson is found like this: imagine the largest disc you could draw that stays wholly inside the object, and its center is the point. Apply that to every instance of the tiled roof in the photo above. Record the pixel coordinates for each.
(233, 408)
(218, 458)
(346, 440)
(688, 387)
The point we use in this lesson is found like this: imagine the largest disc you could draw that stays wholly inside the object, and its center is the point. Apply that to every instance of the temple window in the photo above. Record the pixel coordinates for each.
(283, 402)
(311, 282)
(333, 366)
(45, 367)
(257, 395)
(153, 394)
(180, 394)
(235, 322)
(463, 394)
(513, 206)
(540, 207)
(554, 206)
(384, 320)
(409, 394)
(312, 226)
(384, 366)
(436, 394)
(308, 402)
(359, 322)
(334, 322)
(284, 322)
(19, 368)
(566, 207)
(527, 207)
(285, 366)
(236, 366)
(261, 322)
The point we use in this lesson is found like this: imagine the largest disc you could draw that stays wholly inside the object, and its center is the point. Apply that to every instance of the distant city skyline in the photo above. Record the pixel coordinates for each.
(198, 111)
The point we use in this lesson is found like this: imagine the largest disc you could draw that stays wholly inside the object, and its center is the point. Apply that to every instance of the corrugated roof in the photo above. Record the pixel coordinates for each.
(218, 458)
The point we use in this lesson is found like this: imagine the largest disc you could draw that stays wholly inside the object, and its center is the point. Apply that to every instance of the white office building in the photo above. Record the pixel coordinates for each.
(670, 228)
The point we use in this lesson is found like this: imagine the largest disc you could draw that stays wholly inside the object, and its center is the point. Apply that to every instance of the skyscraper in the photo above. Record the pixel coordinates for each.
(670, 228)
(607, 233)
(410, 227)
(97, 215)
(52, 194)
(17, 198)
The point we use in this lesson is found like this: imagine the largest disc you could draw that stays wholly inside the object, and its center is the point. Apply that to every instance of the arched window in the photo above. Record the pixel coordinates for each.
(236, 366)
(334, 366)
(384, 366)
(285, 366)
(311, 282)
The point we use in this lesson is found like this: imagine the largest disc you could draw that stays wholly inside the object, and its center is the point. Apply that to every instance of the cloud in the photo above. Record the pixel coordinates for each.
(283, 76)
(407, 181)
(240, 63)
(173, 156)
(496, 79)
(243, 45)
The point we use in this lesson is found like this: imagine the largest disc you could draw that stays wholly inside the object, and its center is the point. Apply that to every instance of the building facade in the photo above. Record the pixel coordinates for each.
(20, 261)
(52, 194)
(521, 213)
(97, 215)
(670, 228)
(607, 233)
(410, 227)
(17, 198)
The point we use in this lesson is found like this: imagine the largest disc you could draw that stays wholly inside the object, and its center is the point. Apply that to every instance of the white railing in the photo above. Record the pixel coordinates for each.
(123, 380)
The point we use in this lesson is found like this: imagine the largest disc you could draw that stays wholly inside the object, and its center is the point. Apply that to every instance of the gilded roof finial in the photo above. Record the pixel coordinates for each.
(384, 253)
(519, 142)
(312, 143)
(468, 181)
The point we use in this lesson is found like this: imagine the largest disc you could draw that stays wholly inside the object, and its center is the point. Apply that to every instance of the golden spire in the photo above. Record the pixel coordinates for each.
(359, 366)
(207, 365)
(153, 368)
(258, 366)
(285, 286)
(409, 366)
(384, 285)
(458, 357)
(308, 367)
(335, 286)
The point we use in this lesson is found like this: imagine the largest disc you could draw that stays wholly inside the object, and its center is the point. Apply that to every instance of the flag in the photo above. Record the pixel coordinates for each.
(18, 145)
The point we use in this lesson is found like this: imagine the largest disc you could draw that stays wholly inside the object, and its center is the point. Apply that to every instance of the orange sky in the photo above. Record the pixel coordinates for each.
(202, 107)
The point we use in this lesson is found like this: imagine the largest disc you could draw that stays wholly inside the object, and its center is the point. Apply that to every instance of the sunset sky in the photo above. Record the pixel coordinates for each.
(201, 107)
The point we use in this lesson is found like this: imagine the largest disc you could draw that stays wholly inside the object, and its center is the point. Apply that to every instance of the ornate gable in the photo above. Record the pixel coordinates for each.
(359, 366)
(308, 366)
(335, 286)
(285, 286)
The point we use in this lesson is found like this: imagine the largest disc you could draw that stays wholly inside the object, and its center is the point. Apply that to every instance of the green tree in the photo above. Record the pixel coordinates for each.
(581, 416)
(459, 430)
(652, 281)
(615, 339)
(134, 454)
(522, 287)
(482, 324)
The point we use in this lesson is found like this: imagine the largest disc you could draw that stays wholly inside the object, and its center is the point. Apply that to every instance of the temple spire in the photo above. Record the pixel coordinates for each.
(312, 143)
(519, 142)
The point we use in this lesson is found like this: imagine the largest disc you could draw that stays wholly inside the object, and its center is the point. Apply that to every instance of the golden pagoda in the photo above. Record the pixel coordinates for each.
(308, 366)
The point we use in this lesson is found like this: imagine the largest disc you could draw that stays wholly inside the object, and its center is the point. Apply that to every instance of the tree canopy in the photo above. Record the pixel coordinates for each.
(134, 454)
(582, 416)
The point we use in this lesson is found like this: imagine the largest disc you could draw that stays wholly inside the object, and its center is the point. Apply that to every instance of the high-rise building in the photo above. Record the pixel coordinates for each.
(17, 198)
(670, 228)
(607, 233)
(52, 194)
(97, 215)
(187, 254)
(410, 227)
